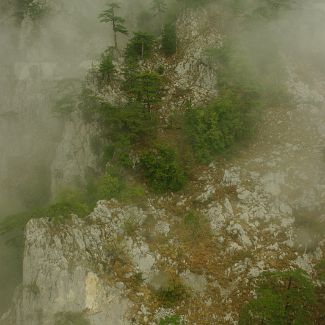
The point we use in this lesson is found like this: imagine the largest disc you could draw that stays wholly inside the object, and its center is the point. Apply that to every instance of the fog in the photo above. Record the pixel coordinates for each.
(35, 57)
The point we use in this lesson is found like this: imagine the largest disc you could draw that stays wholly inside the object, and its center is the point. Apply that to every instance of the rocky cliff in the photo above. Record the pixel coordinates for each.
(111, 266)
(240, 217)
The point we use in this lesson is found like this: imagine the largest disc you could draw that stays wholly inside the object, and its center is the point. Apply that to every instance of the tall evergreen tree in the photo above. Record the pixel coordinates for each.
(140, 46)
(109, 16)
(169, 39)
(147, 89)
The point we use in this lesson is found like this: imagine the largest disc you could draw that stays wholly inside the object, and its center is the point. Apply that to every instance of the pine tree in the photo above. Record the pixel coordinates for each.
(169, 39)
(147, 89)
(140, 46)
(282, 298)
(109, 16)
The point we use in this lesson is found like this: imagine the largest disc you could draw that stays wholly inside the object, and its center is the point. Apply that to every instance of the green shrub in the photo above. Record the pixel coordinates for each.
(162, 169)
(147, 88)
(106, 68)
(134, 121)
(126, 127)
(109, 187)
(282, 298)
(90, 105)
(171, 320)
(71, 318)
(169, 39)
(212, 129)
(140, 46)
(68, 202)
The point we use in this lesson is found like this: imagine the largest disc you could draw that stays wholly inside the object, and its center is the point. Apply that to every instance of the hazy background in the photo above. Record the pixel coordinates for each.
(34, 57)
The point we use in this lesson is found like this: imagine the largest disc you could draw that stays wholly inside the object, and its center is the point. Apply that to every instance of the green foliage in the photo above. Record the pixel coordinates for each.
(68, 202)
(122, 127)
(106, 68)
(90, 106)
(109, 187)
(125, 128)
(135, 121)
(109, 16)
(113, 185)
(169, 39)
(212, 129)
(281, 298)
(171, 320)
(146, 88)
(162, 169)
(140, 46)
(71, 318)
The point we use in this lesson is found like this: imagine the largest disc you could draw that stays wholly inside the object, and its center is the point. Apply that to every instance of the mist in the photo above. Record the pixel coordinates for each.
(37, 56)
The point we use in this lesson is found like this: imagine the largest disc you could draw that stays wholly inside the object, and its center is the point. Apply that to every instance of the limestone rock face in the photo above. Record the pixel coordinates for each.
(64, 271)
(74, 157)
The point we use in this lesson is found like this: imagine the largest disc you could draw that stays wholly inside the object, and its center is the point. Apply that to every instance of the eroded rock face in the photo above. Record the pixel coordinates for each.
(65, 266)
(75, 157)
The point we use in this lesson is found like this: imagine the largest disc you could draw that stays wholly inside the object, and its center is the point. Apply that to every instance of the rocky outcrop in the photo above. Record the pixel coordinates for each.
(238, 219)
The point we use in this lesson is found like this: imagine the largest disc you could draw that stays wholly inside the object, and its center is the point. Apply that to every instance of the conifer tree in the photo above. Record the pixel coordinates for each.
(282, 298)
(109, 16)
(169, 39)
(140, 46)
(147, 89)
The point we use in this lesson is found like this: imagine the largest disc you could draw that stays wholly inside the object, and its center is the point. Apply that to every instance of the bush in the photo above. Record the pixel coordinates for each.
(140, 46)
(171, 320)
(68, 202)
(169, 40)
(90, 106)
(113, 185)
(146, 88)
(212, 129)
(108, 187)
(281, 298)
(135, 121)
(126, 127)
(162, 169)
(106, 68)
